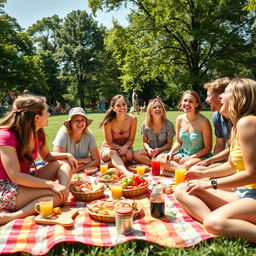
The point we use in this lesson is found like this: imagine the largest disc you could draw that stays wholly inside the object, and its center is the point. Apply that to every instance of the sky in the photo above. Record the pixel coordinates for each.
(27, 12)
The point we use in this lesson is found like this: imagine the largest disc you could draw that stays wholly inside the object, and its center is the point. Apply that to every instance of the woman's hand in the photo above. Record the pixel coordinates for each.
(150, 151)
(123, 150)
(169, 156)
(185, 159)
(73, 163)
(194, 174)
(193, 185)
(61, 190)
(156, 151)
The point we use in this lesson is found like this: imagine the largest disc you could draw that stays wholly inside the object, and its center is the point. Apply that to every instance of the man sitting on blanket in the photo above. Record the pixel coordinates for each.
(220, 122)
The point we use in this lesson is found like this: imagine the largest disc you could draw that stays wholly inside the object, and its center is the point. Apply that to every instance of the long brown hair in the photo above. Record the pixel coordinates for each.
(21, 119)
(243, 101)
(111, 114)
(195, 95)
(148, 121)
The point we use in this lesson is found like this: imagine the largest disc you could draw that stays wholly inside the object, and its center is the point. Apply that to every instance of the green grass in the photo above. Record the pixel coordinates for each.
(217, 246)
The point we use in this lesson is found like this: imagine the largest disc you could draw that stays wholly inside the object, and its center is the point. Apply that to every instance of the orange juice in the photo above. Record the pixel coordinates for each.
(45, 207)
(140, 170)
(179, 176)
(116, 191)
(103, 168)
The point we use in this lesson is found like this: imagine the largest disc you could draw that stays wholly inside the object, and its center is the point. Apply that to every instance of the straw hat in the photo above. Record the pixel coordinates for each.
(77, 111)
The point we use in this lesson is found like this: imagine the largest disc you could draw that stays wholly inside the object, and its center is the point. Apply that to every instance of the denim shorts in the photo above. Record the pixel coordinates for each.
(243, 192)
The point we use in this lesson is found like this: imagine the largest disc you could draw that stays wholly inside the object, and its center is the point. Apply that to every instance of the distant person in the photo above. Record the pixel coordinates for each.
(135, 100)
(10, 99)
(157, 133)
(58, 108)
(22, 138)
(26, 91)
(193, 135)
(143, 109)
(75, 138)
(67, 108)
(119, 133)
(102, 103)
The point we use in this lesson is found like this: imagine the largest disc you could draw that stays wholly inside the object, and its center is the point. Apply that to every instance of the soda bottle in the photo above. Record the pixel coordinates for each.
(157, 202)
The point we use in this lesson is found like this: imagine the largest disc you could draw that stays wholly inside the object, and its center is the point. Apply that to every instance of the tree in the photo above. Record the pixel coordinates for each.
(43, 33)
(181, 41)
(80, 42)
(19, 68)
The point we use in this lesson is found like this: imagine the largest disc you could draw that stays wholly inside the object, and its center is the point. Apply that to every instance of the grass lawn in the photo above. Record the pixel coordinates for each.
(217, 246)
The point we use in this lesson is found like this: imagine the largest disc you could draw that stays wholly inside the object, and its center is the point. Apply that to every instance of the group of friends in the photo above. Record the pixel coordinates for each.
(220, 188)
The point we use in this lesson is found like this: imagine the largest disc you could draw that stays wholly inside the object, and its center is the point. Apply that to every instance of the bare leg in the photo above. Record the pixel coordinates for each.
(117, 162)
(141, 156)
(235, 219)
(25, 203)
(27, 197)
(169, 165)
(202, 202)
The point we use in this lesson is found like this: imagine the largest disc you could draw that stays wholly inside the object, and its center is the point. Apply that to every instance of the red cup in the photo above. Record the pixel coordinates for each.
(155, 164)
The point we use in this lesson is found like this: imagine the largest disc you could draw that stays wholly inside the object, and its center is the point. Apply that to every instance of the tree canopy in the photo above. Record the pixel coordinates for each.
(182, 41)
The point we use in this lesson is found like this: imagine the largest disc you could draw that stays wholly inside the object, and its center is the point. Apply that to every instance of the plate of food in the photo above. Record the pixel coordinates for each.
(78, 177)
(111, 175)
(133, 167)
(86, 191)
(104, 210)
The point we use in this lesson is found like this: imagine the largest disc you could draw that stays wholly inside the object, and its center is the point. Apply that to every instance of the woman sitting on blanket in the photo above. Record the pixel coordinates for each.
(74, 137)
(193, 135)
(119, 132)
(157, 132)
(230, 213)
(21, 139)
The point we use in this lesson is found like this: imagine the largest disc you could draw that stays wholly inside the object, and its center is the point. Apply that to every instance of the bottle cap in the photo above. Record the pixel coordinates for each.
(124, 211)
(157, 187)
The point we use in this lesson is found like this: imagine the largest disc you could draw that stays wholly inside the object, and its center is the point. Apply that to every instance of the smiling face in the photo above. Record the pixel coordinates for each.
(157, 109)
(120, 106)
(78, 123)
(214, 100)
(225, 100)
(189, 103)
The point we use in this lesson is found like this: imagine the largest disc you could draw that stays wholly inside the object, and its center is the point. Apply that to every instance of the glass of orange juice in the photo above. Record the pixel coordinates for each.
(103, 168)
(116, 190)
(140, 170)
(179, 176)
(45, 207)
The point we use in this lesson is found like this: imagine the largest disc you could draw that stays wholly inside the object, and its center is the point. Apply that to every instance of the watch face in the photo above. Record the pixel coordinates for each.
(214, 184)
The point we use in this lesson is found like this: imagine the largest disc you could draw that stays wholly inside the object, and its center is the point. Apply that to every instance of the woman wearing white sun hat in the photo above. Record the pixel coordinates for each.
(75, 137)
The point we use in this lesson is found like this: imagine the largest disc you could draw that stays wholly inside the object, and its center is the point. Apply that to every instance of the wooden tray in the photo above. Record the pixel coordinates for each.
(65, 218)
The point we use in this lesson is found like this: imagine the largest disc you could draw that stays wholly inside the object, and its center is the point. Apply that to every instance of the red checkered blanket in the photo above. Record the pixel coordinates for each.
(176, 229)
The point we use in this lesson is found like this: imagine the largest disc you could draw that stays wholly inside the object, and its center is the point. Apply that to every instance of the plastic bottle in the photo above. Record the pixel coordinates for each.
(157, 202)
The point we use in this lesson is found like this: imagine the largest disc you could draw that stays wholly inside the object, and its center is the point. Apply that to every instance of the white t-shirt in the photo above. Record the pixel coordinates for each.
(78, 150)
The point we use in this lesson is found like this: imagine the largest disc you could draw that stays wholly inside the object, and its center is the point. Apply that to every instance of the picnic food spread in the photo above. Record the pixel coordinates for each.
(88, 187)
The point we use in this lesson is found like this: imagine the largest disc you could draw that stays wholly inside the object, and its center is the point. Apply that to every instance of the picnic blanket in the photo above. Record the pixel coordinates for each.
(175, 229)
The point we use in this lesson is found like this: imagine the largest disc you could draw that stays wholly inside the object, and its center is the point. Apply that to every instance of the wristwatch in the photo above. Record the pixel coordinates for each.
(214, 184)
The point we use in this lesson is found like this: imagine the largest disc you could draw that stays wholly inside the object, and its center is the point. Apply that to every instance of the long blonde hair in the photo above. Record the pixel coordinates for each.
(149, 120)
(21, 120)
(243, 101)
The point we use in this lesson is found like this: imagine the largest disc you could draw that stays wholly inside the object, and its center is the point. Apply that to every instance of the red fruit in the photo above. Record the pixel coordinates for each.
(135, 183)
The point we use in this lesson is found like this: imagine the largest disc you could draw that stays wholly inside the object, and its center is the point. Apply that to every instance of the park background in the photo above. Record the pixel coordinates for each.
(165, 47)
